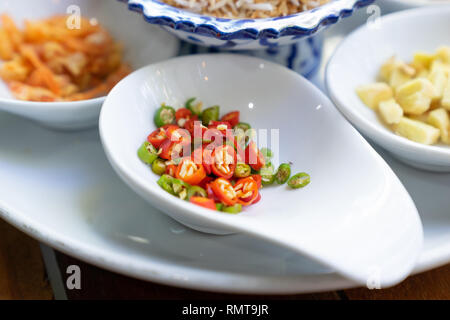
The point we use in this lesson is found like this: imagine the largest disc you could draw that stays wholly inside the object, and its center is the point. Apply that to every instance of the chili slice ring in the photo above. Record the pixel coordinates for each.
(190, 172)
(224, 161)
(246, 191)
(224, 190)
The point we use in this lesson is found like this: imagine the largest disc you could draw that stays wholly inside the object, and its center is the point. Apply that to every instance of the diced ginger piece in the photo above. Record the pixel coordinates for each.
(390, 111)
(423, 60)
(423, 73)
(415, 95)
(417, 131)
(438, 78)
(397, 78)
(420, 117)
(439, 119)
(443, 53)
(439, 65)
(395, 64)
(372, 94)
(445, 102)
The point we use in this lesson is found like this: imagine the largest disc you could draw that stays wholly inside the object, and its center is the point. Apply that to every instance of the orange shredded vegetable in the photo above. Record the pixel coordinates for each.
(48, 61)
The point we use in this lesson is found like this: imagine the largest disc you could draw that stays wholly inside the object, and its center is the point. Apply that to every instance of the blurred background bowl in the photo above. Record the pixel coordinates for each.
(388, 6)
(294, 41)
(143, 44)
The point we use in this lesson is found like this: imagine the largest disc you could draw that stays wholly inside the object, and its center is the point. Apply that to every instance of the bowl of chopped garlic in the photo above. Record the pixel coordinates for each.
(244, 24)
(59, 59)
(394, 86)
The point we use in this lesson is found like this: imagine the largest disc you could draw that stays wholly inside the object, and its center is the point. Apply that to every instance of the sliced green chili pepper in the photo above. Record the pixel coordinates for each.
(267, 153)
(165, 182)
(196, 191)
(283, 173)
(242, 170)
(159, 166)
(219, 206)
(195, 109)
(180, 188)
(164, 115)
(267, 174)
(242, 125)
(299, 180)
(236, 208)
(210, 114)
(147, 153)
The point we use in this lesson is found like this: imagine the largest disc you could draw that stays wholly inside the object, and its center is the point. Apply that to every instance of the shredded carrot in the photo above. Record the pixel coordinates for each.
(50, 61)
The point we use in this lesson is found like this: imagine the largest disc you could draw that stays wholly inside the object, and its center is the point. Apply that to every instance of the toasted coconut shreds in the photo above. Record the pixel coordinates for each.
(242, 9)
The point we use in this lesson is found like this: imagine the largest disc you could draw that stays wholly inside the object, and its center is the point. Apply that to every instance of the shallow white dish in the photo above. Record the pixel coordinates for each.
(362, 208)
(95, 217)
(357, 61)
(145, 44)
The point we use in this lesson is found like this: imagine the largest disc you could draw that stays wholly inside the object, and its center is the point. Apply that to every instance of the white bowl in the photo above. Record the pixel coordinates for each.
(354, 216)
(389, 6)
(357, 61)
(143, 44)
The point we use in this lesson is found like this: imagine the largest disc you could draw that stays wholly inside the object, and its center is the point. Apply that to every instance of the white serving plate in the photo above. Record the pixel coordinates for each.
(98, 206)
(60, 189)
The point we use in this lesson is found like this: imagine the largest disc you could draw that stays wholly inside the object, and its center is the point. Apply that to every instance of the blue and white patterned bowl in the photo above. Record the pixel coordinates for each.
(244, 34)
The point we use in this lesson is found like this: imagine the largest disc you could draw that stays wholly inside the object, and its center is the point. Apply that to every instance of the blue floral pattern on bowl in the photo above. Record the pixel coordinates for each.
(244, 34)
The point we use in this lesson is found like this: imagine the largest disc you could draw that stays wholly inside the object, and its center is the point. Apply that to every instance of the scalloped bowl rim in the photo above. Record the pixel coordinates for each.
(228, 29)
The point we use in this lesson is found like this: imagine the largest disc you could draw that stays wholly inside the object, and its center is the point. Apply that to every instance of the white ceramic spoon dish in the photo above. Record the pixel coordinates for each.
(95, 217)
(357, 61)
(145, 44)
(355, 216)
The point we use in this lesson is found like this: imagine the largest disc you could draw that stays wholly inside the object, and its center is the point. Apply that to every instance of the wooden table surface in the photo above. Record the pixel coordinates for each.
(23, 276)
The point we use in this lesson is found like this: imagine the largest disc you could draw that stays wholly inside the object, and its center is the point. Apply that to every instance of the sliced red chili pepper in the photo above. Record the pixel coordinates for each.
(157, 137)
(220, 125)
(206, 180)
(223, 189)
(183, 115)
(231, 117)
(171, 169)
(246, 191)
(203, 202)
(254, 157)
(213, 138)
(179, 135)
(257, 179)
(211, 193)
(171, 150)
(257, 198)
(224, 161)
(190, 172)
(203, 155)
(194, 123)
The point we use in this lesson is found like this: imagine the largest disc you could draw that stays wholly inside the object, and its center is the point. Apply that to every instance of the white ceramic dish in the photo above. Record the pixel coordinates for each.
(359, 215)
(357, 61)
(145, 44)
(95, 217)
